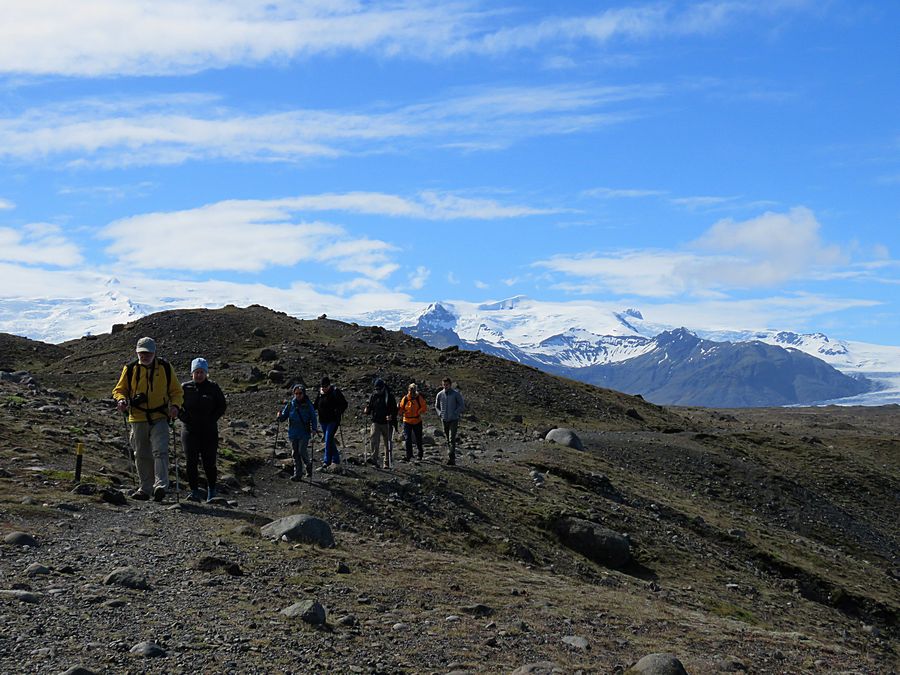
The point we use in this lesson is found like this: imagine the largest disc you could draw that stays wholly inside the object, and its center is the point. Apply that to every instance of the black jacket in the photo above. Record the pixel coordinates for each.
(330, 405)
(204, 404)
(382, 407)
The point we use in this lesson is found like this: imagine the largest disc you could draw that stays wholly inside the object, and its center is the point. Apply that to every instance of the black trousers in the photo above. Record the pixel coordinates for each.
(200, 444)
(413, 431)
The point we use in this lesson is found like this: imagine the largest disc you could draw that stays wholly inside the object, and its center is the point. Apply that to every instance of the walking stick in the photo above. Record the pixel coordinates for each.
(130, 449)
(365, 445)
(312, 456)
(275, 447)
(175, 456)
(390, 450)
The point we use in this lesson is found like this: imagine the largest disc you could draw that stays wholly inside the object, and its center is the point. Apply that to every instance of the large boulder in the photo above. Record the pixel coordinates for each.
(601, 545)
(565, 437)
(309, 611)
(300, 527)
(657, 664)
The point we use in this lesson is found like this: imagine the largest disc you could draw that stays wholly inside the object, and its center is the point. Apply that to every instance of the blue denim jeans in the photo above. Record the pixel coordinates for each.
(331, 455)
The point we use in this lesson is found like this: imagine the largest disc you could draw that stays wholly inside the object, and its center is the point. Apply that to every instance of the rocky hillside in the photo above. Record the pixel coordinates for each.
(754, 540)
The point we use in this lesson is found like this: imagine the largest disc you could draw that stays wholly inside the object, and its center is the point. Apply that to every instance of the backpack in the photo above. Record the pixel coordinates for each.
(129, 370)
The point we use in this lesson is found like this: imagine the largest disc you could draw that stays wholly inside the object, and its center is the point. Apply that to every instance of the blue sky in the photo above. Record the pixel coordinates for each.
(720, 164)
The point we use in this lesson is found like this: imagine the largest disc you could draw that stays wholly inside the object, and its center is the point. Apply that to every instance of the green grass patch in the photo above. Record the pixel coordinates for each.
(55, 474)
(730, 611)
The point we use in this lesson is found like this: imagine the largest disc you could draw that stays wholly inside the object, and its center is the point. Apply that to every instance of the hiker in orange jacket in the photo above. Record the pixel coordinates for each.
(411, 408)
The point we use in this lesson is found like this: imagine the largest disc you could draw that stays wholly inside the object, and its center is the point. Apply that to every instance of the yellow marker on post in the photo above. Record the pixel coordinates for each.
(79, 452)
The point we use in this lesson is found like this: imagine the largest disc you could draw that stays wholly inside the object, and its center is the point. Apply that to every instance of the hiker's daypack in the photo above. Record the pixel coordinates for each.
(132, 387)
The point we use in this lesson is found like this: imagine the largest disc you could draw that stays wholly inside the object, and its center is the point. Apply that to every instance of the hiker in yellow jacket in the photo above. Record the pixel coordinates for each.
(411, 408)
(152, 395)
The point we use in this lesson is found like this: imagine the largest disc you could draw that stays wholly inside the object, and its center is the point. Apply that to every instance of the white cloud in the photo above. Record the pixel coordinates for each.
(176, 129)
(760, 252)
(701, 201)
(627, 193)
(38, 244)
(645, 273)
(480, 285)
(767, 250)
(417, 278)
(97, 38)
(57, 305)
(252, 235)
(6, 205)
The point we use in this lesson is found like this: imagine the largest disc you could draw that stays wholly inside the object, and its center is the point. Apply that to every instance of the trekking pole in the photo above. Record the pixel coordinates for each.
(130, 449)
(175, 458)
(275, 447)
(390, 450)
(312, 456)
(365, 444)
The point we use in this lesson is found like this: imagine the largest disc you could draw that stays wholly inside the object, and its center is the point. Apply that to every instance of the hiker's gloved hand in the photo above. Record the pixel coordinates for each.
(173, 412)
(121, 405)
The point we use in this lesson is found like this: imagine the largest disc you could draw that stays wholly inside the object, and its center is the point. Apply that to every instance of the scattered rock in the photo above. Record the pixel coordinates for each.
(657, 664)
(78, 670)
(147, 649)
(300, 527)
(539, 668)
(246, 530)
(577, 642)
(349, 620)
(731, 664)
(268, 354)
(308, 610)
(565, 437)
(595, 542)
(21, 596)
(210, 563)
(20, 539)
(127, 577)
(478, 610)
(113, 496)
(36, 568)
(343, 568)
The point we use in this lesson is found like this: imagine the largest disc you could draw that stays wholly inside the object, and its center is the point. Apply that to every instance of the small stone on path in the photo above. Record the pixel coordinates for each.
(21, 596)
(36, 568)
(576, 642)
(20, 539)
(657, 664)
(147, 649)
(127, 577)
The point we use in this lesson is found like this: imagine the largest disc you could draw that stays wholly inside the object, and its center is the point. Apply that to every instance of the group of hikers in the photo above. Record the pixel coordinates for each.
(151, 398)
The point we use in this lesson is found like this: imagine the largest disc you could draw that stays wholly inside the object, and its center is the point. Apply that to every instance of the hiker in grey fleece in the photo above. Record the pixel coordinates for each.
(449, 405)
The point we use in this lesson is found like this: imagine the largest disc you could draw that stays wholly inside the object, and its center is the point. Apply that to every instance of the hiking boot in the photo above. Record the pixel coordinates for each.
(211, 494)
(159, 492)
(195, 496)
(451, 462)
(297, 477)
(140, 495)
(309, 470)
(421, 457)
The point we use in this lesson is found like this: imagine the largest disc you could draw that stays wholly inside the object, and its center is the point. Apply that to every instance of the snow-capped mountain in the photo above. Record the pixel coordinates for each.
(566, 338)
(579, 341)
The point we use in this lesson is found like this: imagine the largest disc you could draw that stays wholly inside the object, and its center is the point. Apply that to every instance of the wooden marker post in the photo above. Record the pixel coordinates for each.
(79, 454)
